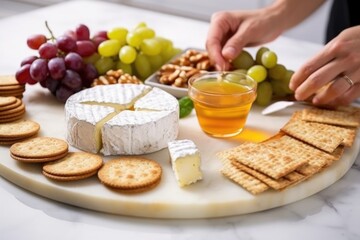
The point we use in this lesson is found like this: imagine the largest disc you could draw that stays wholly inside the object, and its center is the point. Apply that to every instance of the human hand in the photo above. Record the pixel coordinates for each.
(323, 78)
(231, 31)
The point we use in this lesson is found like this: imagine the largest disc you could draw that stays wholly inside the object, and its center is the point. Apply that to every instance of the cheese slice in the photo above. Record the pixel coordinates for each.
(186, 161)
(127, 119)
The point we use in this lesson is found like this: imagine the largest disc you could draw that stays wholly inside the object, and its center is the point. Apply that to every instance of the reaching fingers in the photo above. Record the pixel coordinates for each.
(342, 91)
(217, 35)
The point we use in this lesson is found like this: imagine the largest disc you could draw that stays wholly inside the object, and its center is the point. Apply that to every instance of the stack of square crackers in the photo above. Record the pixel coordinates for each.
(308, 143)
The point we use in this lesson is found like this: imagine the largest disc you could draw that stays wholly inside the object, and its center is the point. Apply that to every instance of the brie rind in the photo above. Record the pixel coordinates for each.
(122, 119)
(185, 161)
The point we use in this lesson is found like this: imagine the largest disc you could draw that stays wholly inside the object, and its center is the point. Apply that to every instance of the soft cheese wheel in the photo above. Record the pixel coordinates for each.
(132, 119)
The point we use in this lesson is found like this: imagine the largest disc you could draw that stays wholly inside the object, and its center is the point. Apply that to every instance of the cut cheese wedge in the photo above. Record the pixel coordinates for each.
(126, 119)
(186, 161)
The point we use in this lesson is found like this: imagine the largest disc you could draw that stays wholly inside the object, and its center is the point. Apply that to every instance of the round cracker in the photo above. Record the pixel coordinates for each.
(38, 160)
(8, 80)
(39, 147)
(12, 87)
(69, 178)
(75, 163)
(130, 173)
(11, 119)
(17, 109)
(17, 103)
(5, 101)
(19, 129)
(12, 115)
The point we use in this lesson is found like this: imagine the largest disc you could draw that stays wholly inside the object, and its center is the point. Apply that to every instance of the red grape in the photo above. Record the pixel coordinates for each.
(38, 70)
(98, 40)
(63, 93)
(102, 34)
(82, 32)
(66, 43)
(36, 40)
(88, 74)
(28, 60)
(23, 74)
(74, 61)
(71, 33)
(52, 85)
(85, 48)
(57, 68)
(72, 80)
(48, 50)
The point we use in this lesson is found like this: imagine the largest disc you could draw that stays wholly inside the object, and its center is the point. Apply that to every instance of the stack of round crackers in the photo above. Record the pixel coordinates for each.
(39, 150)
(9, 86)
(74, 166)
(130, 174)
(17, 131)
(11, 109)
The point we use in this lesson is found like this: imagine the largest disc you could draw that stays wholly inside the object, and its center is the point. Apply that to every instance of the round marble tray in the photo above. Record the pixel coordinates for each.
(214, 196)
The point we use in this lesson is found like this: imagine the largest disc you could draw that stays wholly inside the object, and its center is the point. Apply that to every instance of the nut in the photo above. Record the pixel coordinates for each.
(114, 77)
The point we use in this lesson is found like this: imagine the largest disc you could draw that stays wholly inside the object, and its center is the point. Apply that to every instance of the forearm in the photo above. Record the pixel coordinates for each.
(292, 12)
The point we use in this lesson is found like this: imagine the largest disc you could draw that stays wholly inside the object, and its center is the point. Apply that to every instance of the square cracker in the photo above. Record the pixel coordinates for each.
(322, 136)
(250, 183)
(276, 184)
(313, 156)
(340, 118)
(270, 161)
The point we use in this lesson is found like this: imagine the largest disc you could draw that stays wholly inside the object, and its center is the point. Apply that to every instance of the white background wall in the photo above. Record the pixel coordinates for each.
(313, 29)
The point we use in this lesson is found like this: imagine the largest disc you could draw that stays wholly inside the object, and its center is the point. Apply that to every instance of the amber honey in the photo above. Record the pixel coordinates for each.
(222, 104)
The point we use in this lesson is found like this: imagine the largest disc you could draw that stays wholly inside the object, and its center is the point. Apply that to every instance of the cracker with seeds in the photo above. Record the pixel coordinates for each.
(340, 118)
(134, 174)
(271, 161)
(74, 163)
(38, 159)
(248, 182)
(68, 178)
(322, 136)
(276, 184)
(5, 101)
(39, 147)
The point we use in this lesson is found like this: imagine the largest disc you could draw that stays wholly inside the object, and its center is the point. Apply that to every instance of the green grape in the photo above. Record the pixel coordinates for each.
(104, 64)
(133, 39)
(140, 25)
(142, 66)
(258, 73)
(278, 88)
(269, 59)
(118, 33)
(92, 58)
(109, 48)
(259, 54)
(150, 47)
(125, 67)
(165, 43)
(243, 71)
(127, 54)
(243, 61)
(278, 72)
(145, 32)
(264, 93)
(286, 81)
(155, 62)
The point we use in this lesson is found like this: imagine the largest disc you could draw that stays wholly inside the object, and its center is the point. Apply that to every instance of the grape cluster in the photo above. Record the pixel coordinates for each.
(137, 52)
(272, 78)
(71, 62)
(60, 65)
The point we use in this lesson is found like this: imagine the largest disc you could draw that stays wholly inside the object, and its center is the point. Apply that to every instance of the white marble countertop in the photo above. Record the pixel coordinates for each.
(333, 213)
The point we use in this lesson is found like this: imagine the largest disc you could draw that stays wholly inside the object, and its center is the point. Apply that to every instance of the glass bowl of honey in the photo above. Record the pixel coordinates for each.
(222, 101)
